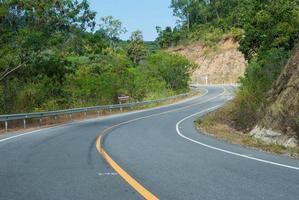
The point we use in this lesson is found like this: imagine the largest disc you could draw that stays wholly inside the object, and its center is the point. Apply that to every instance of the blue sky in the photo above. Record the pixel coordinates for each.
(143, 15)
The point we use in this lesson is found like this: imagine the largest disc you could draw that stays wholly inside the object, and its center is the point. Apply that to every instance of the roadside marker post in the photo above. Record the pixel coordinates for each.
(122, 99)
(6, 126)
(24, 123)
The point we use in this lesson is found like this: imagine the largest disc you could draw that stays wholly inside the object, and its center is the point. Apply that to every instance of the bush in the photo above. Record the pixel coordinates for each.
(261, 72)
(207, 34)
(173, 69)
(237, 33)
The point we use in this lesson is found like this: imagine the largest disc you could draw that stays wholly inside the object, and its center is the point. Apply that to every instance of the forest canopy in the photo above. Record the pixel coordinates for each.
(54, 55)
(266, 30)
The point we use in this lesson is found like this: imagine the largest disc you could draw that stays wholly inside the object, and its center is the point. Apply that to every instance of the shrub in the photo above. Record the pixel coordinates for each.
(173, 69)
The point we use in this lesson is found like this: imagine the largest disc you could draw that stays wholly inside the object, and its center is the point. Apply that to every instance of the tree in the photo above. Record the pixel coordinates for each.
(180, 9)
(165, 37)
(51, 58)
(136, 48)
(172, 68)
(113, 29)
(26, 25)
(203, 12)
(274, 24)
(191, 12)
(31, 32)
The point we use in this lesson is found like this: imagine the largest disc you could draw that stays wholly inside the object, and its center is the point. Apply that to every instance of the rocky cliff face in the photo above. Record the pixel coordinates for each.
(280, 113)
(220, 64)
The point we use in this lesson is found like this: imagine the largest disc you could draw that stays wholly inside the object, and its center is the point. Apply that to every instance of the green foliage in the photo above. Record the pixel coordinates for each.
(168, 37)
(266, 31)
(261, 72)
(136, 48)
(209, 35)
(97, 82)
(52, 58)
(152, 46)
(174, 69)
(270, 34)
(221, 13)
(237, 33)
(112, 29)
(141, 84)
(104, 82)
(275, 24)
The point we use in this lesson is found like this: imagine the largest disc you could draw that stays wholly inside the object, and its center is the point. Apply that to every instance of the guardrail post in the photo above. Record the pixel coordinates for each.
(24, 123)
(6, 126)
(120, 108)
(63, 113)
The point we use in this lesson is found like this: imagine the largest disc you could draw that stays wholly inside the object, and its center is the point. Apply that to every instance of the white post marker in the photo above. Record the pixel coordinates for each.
(206, 79)
(6, 126)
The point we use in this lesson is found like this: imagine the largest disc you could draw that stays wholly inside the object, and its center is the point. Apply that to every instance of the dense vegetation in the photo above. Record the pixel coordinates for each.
(266, 30)
(54, 55)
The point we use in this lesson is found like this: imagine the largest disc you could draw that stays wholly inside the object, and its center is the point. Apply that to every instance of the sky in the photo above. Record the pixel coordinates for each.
(143, 15)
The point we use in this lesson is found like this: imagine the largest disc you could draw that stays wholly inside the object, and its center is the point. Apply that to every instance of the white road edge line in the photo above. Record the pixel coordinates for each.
(23, 134)
(223, 150)
(71, 123)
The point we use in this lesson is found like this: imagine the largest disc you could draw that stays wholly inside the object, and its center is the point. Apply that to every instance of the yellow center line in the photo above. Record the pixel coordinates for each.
(130, 180)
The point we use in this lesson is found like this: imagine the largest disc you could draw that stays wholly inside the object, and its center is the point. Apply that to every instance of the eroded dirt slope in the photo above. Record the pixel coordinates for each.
(280, 121)
(221, 64)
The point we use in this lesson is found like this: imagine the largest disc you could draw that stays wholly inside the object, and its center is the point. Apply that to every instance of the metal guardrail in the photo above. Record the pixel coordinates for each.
(218, 84)
(40, 115)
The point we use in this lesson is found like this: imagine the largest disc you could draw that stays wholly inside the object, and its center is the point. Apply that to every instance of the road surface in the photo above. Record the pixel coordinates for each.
(159, 148)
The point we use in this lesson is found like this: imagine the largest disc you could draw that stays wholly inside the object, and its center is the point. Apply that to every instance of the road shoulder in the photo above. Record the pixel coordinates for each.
(217, 125)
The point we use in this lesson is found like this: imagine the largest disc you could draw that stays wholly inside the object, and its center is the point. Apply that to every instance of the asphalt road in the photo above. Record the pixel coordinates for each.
(160, 148)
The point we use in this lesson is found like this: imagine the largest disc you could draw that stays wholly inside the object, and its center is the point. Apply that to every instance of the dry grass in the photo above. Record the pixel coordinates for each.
(214, 125)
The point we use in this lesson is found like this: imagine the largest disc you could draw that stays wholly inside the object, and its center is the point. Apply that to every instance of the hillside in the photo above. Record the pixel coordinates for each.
(280, 112)
(61, 55)
(221, 64)
(276, 124)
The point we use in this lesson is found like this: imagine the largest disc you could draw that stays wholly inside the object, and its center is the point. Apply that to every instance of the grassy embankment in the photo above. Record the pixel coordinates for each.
(219, 124)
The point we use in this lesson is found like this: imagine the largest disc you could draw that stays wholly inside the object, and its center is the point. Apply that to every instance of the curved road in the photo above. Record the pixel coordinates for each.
(159, 148)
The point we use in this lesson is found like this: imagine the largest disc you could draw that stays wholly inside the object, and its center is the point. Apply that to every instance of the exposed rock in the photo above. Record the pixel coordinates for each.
(270, 136)
(221, 64)
(281, 110)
